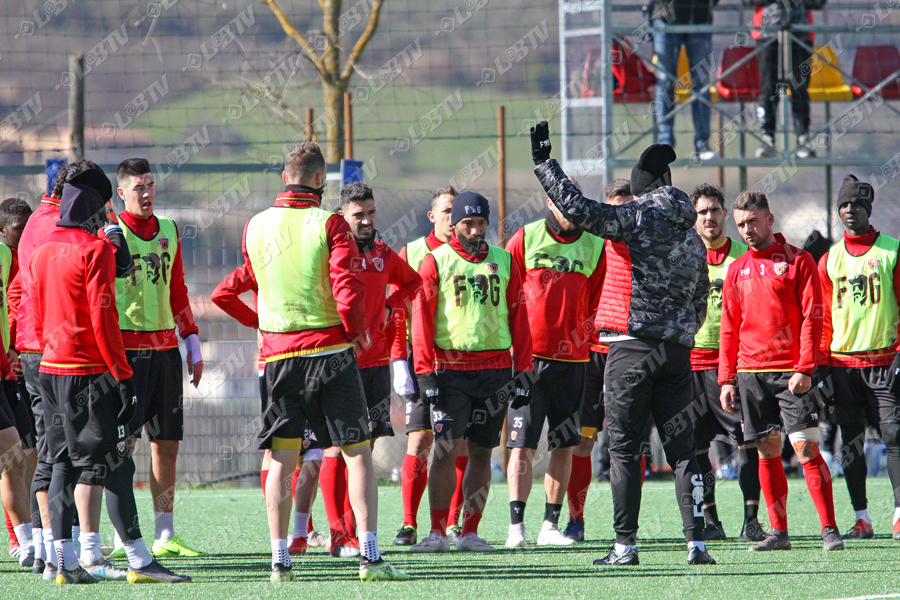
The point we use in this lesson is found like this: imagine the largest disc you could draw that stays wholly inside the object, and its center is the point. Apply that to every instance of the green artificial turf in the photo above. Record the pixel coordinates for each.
(230, 523)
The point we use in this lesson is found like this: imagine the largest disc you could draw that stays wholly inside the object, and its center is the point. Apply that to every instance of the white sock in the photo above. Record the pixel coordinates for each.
(49, 547)
(76, 534)
(695, 544)
(301, 523)
(280, 553)
(23, 534)
(368, 545)
(37, 540)
(623, 548)
(65, 554)
(896, 512)
(164, 524)
(137, 553)
(864, 515)
(90, 548)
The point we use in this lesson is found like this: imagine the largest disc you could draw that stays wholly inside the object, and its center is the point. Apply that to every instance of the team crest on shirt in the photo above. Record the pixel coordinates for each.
(164, 243)
(781, 268)
(438, 427)
(379, 263)
(492, 267)
(872, 263)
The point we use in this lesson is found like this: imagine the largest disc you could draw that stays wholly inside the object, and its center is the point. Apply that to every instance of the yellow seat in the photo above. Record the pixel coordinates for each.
(683, 83)
(826, 83)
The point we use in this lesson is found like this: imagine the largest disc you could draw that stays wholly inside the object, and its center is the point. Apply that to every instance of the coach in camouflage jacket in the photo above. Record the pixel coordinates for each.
(658, 257)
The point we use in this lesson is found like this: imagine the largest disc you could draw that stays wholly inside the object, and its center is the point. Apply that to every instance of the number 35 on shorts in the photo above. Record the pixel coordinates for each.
(518, 422)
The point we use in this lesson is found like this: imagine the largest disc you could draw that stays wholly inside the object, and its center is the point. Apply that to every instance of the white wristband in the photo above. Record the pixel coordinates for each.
(192, 343)
(403, 383)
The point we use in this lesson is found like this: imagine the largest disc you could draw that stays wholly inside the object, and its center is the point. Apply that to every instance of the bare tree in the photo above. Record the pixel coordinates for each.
(335, 78)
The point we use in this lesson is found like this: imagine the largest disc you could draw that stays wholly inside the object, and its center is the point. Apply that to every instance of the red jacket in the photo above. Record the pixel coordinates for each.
(75, 320)
(398, 334)
(856, 246)
(13, 296)
(771, 312)
(347, 290)
(561, 306)
(179, 301)
(381, 267)
(428, 358)
(41, 223)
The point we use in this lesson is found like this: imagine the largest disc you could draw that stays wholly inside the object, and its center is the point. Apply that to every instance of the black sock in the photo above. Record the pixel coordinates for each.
(854, 463)
(748, 473)
(551, 512)
(711, 514)
(751, 512)
(120, 504)
(516, 512)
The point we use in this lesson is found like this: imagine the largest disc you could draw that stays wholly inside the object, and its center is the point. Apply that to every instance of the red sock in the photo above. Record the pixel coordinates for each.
(309, 527)
(331, 478)
(439, 520)
(456, 502)
(774, 486)
(818, 482)
(263, 475)
(470, 522)
(349, 517)
(413, 480)
(294, 484)
(9, 528)
(643, 468)
(579, 482)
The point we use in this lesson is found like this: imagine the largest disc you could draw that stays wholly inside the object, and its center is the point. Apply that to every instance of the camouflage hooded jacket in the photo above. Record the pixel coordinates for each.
(657, 279)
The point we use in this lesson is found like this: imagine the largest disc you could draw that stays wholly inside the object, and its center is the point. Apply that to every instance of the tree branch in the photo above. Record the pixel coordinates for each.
(297, 36)
(362, 41)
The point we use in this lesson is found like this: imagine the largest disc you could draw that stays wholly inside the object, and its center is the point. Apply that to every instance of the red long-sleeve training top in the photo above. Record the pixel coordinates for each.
(41, 223)
(13, 296)
(771, 312)
(178, 294)
(427, 357)
(397, 333)
(73, 299)
(561, 306)
(857, 245)
(381, 266)
(346, 288)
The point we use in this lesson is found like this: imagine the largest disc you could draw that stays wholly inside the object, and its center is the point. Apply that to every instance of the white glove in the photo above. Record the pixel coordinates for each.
(192, 344)
(403, 383)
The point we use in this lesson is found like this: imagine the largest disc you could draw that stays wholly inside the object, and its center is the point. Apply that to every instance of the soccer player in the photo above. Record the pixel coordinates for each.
(152, 303)
(563, 278)
(770, 333)
(860, 278)
(420, 437)
(465, 322)
(657, 259)
(14, 213)
(709, 418)
(41, 223)
(88, 397)
(311, 313)
(618, 192)
(379, 267)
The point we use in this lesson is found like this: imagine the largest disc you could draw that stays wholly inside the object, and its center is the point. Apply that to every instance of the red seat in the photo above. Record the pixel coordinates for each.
(874, 64)
(742, 84)
(635, 82)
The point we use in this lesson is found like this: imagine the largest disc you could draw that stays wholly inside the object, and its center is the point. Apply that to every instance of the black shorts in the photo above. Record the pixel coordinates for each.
(418, 414)
(376, 383)
(325, 390)
(158, 381)
(24, 415)
(862, 397)
(556, 396)
(7, 418)
(592, 411)
(711, 422)
(310, 441)
(80, 413)
(470, 407)
(31, 363)
(768, 406)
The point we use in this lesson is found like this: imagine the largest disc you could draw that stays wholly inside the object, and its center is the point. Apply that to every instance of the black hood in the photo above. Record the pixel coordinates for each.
(81, 207)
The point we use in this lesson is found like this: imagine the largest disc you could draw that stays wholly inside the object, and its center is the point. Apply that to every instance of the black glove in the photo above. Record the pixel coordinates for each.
(540, 142)
(129, 401)
(428, 389)
(520, 388)
(822, 384)
(894, 377)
